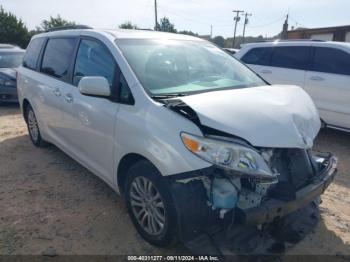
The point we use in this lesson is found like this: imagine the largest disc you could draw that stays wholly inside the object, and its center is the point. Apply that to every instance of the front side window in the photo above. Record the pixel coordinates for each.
(331, 60)
(293, 57)
(57, 57)
(175, 67)
(258, 56)
(32, 54)
(11, 59)
(94, 59)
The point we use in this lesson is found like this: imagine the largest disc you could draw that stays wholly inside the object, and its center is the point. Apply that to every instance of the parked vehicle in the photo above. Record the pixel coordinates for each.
(321, 68)
(188, 135)
(10, 58)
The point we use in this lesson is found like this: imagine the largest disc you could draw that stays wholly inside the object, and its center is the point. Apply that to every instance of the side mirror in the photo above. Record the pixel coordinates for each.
(94, 86)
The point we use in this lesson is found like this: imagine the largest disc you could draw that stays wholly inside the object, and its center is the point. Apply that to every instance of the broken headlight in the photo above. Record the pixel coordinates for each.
(229, 156)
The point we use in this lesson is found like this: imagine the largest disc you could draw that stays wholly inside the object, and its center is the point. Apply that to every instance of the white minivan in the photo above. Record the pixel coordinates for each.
(321, 68)
(189, 136)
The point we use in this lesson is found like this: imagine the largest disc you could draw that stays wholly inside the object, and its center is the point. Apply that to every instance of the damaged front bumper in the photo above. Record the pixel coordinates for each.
(196, 217)
(273, 209)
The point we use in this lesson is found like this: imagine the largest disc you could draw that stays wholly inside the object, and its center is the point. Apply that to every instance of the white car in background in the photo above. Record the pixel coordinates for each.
(321, 68)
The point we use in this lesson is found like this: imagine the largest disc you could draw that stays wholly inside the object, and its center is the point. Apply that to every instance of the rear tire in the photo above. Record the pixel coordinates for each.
(150, 204)
(33, 128)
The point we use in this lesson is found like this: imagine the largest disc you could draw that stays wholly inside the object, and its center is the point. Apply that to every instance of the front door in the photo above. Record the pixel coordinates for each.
(89, 121)
(328, 83)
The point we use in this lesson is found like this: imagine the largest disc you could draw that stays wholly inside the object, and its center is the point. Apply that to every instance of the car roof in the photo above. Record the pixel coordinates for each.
(297, 43)
(120, 34)
(8, 48)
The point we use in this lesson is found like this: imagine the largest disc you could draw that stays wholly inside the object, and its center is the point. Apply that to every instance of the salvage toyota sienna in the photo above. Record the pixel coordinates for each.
(188, 135)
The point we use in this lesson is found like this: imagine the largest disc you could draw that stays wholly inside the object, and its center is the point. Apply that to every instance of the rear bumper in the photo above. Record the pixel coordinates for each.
(8, 94)
(273, 209)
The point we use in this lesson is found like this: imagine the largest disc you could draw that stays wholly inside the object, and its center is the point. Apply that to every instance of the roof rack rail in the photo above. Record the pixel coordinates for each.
(68, 27)
(293, 40)
(300, 40)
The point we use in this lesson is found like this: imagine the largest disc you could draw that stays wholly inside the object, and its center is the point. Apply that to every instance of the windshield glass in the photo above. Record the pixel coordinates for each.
(182, 67)
(11, 60)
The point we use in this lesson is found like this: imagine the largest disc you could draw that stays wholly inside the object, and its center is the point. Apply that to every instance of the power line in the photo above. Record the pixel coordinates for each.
(267, 24)
(193, 20)
(296, 22)
(208, 24)
(182, 16)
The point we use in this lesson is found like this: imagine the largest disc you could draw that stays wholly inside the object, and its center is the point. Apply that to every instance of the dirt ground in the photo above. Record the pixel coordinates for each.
(49, 204)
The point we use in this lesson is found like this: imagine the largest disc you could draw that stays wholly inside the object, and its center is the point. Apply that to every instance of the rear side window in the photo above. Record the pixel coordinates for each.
(33, 52)
(57, 57)
(258, 56)
(331, 60)
(293, 57)
(94, 59)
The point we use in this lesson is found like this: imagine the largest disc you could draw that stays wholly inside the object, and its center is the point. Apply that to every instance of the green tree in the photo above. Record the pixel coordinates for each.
(128, 25)
(185, 32)
(57, 21)
(166, 26)
(219, 40)
(12, 29)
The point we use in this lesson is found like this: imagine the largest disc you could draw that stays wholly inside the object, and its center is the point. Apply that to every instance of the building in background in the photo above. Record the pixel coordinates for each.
(337, 33)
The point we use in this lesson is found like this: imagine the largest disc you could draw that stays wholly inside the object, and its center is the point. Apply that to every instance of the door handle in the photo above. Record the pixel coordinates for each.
(317, 78)
(265, 71)
(68, 98)
(57, 92)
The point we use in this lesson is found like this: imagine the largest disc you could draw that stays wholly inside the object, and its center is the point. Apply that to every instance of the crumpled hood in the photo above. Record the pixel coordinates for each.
(267, 116)
(9, 72)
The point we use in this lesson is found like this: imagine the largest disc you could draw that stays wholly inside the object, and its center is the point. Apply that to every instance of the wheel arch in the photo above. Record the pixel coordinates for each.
(25, 105)
(124, 165)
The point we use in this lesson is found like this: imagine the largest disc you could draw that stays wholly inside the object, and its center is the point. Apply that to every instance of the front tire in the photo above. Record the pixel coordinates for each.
(33, 128)
(150, 204)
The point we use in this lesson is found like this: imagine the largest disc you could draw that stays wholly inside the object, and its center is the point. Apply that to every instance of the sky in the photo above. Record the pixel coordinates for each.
(195, 15)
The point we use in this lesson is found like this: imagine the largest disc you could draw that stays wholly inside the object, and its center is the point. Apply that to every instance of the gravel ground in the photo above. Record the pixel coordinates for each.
(49, 204)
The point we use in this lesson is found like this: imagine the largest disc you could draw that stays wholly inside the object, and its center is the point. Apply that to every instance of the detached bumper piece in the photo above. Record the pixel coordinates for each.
(273, 209)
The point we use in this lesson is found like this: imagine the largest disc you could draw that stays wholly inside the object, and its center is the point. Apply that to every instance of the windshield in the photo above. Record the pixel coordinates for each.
(182, 67)
(11, 60)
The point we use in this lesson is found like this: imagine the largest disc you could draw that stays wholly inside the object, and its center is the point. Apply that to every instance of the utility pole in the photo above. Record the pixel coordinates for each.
(155, 16)
(236, 19)
(211, 31)
(246, 20)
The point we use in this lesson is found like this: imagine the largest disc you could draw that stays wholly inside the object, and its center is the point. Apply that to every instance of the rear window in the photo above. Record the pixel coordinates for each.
(57, 57)
(331, 60)
(293, 57)
(33, 51)
(258, 56)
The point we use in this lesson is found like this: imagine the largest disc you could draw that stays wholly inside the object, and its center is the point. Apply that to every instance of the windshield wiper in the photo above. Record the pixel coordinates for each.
(167, 96)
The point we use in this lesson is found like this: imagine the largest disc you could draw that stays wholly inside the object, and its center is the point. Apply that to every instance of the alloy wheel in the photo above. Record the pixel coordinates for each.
(147, 205)
(33, 126)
